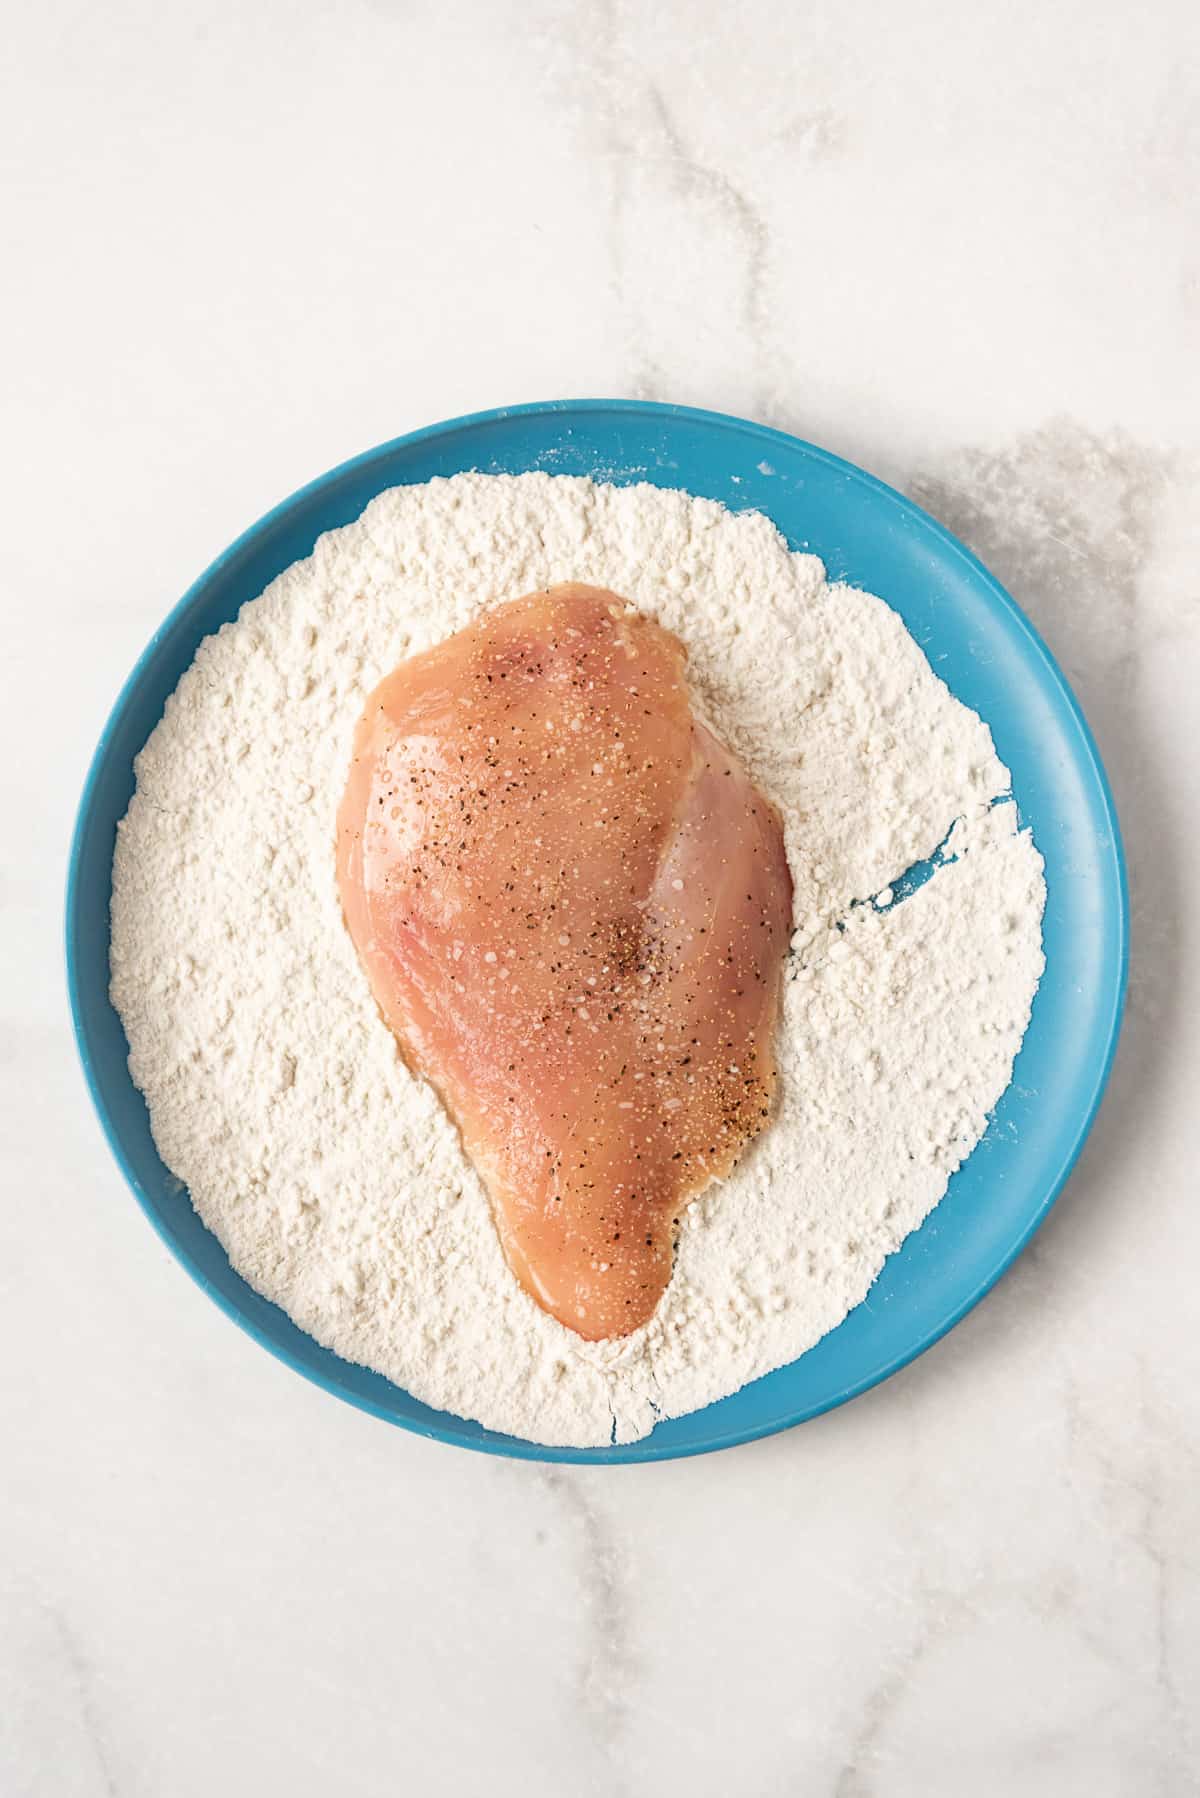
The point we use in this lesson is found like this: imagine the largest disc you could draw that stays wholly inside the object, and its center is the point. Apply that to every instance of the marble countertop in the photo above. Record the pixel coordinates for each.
(954, 243)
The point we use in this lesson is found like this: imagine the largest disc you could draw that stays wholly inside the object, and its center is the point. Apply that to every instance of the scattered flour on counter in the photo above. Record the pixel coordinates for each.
(277, 1095)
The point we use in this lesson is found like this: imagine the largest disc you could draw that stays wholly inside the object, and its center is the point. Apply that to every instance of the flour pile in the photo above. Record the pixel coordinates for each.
(277, 1095)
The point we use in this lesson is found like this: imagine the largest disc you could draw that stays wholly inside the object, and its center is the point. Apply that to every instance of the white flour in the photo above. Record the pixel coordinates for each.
(277, 1095)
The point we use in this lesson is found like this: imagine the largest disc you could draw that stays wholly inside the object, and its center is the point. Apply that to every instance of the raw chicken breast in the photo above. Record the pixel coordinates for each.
(572, 905)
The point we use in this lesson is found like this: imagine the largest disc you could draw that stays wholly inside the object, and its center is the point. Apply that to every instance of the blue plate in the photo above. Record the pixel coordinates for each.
(982, 647)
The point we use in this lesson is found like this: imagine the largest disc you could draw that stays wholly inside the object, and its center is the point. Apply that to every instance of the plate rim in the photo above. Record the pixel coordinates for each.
(450, 1430)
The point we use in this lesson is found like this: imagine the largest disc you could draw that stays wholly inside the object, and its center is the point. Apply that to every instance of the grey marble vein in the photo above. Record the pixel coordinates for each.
(696, 180)
(865, 1757)
(83, 1682)
(607, 1671)
(1130, 1468)
(640, 135)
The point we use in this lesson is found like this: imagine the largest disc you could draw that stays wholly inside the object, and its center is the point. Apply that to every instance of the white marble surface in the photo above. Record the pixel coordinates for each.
(957, 243)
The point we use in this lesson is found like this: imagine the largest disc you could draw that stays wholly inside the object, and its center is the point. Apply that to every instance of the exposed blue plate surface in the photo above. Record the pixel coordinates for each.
(982, 647)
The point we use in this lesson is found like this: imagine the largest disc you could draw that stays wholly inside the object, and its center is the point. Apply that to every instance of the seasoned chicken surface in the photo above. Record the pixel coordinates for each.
(572, 905)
